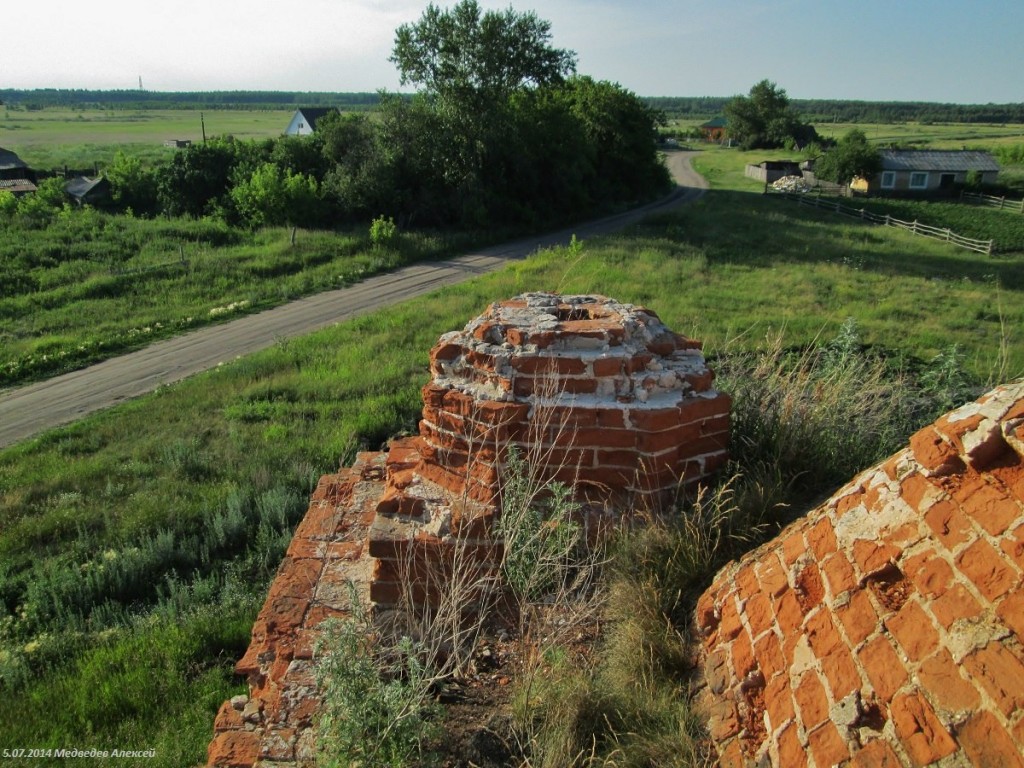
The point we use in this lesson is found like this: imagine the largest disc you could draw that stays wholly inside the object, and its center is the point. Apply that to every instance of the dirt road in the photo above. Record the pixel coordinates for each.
(32, 409)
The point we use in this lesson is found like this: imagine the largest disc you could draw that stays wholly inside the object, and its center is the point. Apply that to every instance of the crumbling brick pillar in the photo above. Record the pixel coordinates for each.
(590, 392)
(594, 393)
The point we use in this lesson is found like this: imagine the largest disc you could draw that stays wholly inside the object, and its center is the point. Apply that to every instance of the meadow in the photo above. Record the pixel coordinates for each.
(149, 531)
(82, 138)
(93, 285)
(137, 544)
(938, 135)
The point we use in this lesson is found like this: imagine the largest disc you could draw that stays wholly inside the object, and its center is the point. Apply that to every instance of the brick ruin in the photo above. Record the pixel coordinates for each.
(885, 628)
(591, 392)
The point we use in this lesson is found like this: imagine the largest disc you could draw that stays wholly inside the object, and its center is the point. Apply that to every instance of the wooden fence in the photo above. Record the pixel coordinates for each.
(1014, 206)
(915, 227)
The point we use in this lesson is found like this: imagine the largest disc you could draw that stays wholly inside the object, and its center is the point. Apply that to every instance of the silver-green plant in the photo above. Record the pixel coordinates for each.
(378, 706)
(542, 540)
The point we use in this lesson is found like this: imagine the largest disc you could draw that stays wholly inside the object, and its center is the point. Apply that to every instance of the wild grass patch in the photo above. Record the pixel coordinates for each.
(167, 474)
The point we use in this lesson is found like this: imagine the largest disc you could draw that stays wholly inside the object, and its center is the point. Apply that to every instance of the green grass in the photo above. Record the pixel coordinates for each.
(160, 508)
(152, 686)
(935, 135)
(81, 138)
(1005, 229)
(92, 285)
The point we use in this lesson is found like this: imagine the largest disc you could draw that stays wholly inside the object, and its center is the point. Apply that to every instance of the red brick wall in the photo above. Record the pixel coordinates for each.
(591, 392)
(886, 627)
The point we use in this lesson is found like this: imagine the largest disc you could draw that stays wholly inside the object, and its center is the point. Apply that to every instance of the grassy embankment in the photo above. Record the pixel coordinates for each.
(92, 285)
(135, 545)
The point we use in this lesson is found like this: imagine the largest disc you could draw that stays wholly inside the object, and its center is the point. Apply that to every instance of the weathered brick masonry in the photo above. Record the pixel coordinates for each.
(592, 392)
(886, 627)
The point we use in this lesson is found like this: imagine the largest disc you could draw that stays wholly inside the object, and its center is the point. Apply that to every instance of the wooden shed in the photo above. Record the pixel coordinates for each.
(12, 166)
(770, 171)
(714, 129)
(86, 191)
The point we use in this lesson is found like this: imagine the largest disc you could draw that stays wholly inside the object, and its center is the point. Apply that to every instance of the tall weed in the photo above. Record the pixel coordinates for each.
(804, 421)
(378, 707)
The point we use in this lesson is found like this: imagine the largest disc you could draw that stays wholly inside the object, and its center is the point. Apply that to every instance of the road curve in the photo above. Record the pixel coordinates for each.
(34, 408)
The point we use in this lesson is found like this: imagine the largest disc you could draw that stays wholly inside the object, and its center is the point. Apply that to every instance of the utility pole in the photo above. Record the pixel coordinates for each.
(203, 123)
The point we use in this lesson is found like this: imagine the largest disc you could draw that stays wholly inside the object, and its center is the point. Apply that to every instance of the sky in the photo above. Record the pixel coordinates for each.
(957, 51)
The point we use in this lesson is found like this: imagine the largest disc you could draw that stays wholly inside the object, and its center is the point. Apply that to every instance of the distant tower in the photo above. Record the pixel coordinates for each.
(140, 83)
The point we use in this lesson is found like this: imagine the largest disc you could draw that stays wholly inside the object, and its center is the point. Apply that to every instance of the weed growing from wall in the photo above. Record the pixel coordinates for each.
(542, 539)
(378, 707)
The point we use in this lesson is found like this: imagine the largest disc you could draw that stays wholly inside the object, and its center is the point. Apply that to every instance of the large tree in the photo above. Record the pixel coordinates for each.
(468, 64)
(467, 57)
(765, 119)
(852, 156)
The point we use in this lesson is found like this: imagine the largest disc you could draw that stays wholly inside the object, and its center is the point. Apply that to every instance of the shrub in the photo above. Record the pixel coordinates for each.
(804, 421)
(542, 541)
(378, 709)
(8, 204)
(946, 381)
(383, 232)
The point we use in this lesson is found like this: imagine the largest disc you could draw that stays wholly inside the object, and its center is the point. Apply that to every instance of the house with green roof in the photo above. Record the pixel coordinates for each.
(714, 129)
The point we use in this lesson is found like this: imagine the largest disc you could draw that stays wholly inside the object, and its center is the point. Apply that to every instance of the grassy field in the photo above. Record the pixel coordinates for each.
(80, 138)
(936, 135)
(150, 531)
(92, 285)
(123, 535)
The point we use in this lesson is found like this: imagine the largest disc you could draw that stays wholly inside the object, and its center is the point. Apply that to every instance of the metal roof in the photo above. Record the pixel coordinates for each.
(17, 185)
(937, 160)
(80, 186)
(312, 114)
(9, 160)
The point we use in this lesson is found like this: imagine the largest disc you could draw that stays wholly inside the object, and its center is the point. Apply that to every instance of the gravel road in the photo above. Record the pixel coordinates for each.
(34, 408)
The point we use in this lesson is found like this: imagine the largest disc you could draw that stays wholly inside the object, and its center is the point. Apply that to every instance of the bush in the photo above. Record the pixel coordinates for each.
(383, 232)
(805, 421)
(378, 709)
(541, 539)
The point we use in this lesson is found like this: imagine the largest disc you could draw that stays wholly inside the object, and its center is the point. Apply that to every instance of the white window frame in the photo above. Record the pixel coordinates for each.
(888, 179)
(923, 184)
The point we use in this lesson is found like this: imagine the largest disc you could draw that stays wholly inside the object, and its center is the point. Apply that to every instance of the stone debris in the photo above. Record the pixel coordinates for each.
(591, 392)
(791, 184)
(887, 625)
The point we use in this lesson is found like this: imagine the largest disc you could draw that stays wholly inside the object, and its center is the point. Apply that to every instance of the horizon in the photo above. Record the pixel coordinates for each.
(942, 52)
(75, 89)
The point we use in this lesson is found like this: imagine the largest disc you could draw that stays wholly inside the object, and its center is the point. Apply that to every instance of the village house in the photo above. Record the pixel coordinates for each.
(714, 129)
(304, 120)
(927, 171)
(15, 175)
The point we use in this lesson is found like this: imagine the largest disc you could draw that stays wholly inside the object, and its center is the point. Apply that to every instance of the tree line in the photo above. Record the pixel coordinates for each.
(501, 131)
(74, 98)
(675, 107)
(847, 111)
